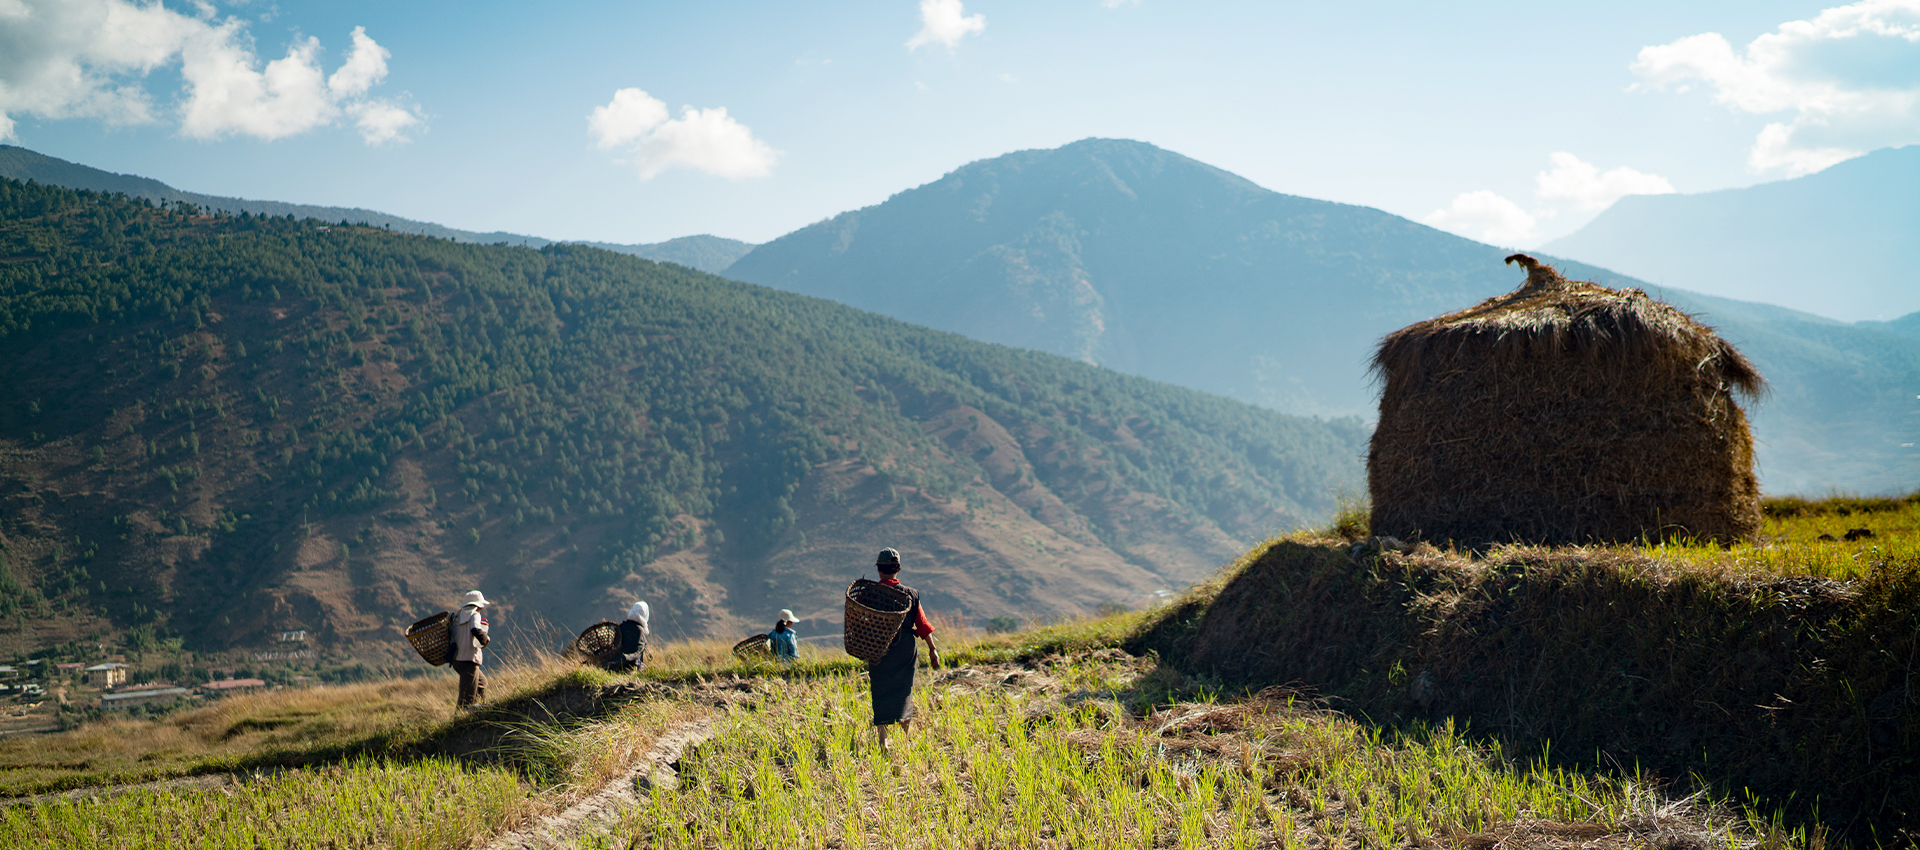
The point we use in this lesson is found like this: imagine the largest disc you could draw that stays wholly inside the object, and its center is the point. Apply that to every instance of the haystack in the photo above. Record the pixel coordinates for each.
(1562, 412)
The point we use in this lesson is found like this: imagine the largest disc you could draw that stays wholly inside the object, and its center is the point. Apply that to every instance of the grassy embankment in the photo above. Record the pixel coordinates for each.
(1782, 668)
(1045, 737)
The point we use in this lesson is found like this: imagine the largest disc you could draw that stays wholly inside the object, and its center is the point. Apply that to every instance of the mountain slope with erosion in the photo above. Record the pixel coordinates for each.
(1123, 254)
(226, 426)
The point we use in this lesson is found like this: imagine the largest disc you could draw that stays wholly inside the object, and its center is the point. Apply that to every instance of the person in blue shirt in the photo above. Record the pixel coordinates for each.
(785, 648)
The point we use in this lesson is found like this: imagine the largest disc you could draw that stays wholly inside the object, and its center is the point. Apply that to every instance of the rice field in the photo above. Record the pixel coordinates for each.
(362, 803)
(1078, 754)
(1043, 738)
(1819, 539)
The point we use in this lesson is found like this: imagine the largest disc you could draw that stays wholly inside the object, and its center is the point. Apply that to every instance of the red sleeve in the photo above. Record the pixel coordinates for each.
(921, 628)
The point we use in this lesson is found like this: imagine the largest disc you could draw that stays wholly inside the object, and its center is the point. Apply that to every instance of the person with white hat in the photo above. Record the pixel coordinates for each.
(469, 634)
(633, 639)
(785, 649)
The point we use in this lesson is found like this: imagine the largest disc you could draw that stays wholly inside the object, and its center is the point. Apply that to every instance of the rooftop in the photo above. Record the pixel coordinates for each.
(144, 693)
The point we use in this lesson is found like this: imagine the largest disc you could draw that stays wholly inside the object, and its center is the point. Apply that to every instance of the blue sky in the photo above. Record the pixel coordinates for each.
(1512, 122)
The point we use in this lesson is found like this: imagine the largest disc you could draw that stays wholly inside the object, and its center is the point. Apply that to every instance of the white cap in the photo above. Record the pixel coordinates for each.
(475, 600)
(786, 616)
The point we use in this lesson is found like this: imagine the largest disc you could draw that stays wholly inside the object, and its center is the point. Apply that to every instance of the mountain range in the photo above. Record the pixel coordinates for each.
(1119, 253)
(225, 426)
(1837, 243)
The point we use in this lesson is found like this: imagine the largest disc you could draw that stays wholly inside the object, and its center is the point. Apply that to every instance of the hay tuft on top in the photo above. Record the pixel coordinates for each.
(1562, 412)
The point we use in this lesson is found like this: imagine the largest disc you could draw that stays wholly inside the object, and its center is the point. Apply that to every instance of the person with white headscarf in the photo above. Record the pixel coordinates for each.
(633, 637)
(469, 635)
(785, 648)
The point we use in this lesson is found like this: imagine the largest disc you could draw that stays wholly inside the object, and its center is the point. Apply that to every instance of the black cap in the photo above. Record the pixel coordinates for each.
(887, 558)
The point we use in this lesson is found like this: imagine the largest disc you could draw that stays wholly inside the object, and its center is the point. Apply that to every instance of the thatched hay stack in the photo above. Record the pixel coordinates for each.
(1562, 412)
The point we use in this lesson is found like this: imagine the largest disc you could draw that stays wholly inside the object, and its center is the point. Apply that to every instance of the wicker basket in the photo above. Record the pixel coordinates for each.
(874, 614)
(756, 648)
(432, 639)
(599, 644)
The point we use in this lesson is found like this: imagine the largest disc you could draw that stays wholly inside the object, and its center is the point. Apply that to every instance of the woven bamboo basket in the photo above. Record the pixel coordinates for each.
(432, 639)
(754, 648)
(874, 614)
(599, 644)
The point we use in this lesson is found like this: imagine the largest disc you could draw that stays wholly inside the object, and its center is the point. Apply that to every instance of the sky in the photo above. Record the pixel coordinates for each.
(638, 122)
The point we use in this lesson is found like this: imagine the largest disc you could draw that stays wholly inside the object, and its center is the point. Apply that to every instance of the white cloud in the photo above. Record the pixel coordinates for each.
(706, 140)
(89, 58)
(1850, 76)
(381, 121)
(1572, 185)
(626, 118)
(945, 22)
(1115, 4)
(1583, 186)
(1009, 78)
(1486, 216)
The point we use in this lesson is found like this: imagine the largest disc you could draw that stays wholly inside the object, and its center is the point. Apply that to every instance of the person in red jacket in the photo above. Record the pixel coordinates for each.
(891, 678)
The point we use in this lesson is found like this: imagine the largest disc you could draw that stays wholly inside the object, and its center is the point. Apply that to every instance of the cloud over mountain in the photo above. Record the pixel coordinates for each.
(1572, 185)
(1847, 77)
(91, 58)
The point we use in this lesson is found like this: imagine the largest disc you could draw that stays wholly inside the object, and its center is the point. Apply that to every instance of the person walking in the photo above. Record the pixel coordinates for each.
(785, 649)
(891, 678)
(633, 639)
(469, 634)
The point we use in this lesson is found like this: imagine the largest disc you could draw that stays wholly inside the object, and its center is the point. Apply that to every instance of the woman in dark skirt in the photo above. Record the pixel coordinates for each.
(891, 678)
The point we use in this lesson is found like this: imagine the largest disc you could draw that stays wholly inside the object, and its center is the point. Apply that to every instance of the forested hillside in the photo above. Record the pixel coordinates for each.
(703, 252)
(222, 426)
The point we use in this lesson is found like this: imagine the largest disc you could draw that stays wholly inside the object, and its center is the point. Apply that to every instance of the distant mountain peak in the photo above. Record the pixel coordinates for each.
(1785, 242)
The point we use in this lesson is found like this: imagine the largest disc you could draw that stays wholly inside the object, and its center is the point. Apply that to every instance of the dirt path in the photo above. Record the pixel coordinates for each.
(596, 813)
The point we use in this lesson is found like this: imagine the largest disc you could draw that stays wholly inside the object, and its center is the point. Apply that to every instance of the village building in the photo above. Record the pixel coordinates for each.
(108, 675)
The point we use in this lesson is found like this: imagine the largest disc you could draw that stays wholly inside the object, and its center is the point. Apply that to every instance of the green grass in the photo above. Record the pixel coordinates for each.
(362, 803)
(1083, 754)
(1808, 538)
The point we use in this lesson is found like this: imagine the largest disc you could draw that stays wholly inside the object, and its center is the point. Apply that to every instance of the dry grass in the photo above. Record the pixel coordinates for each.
(1562, 413)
